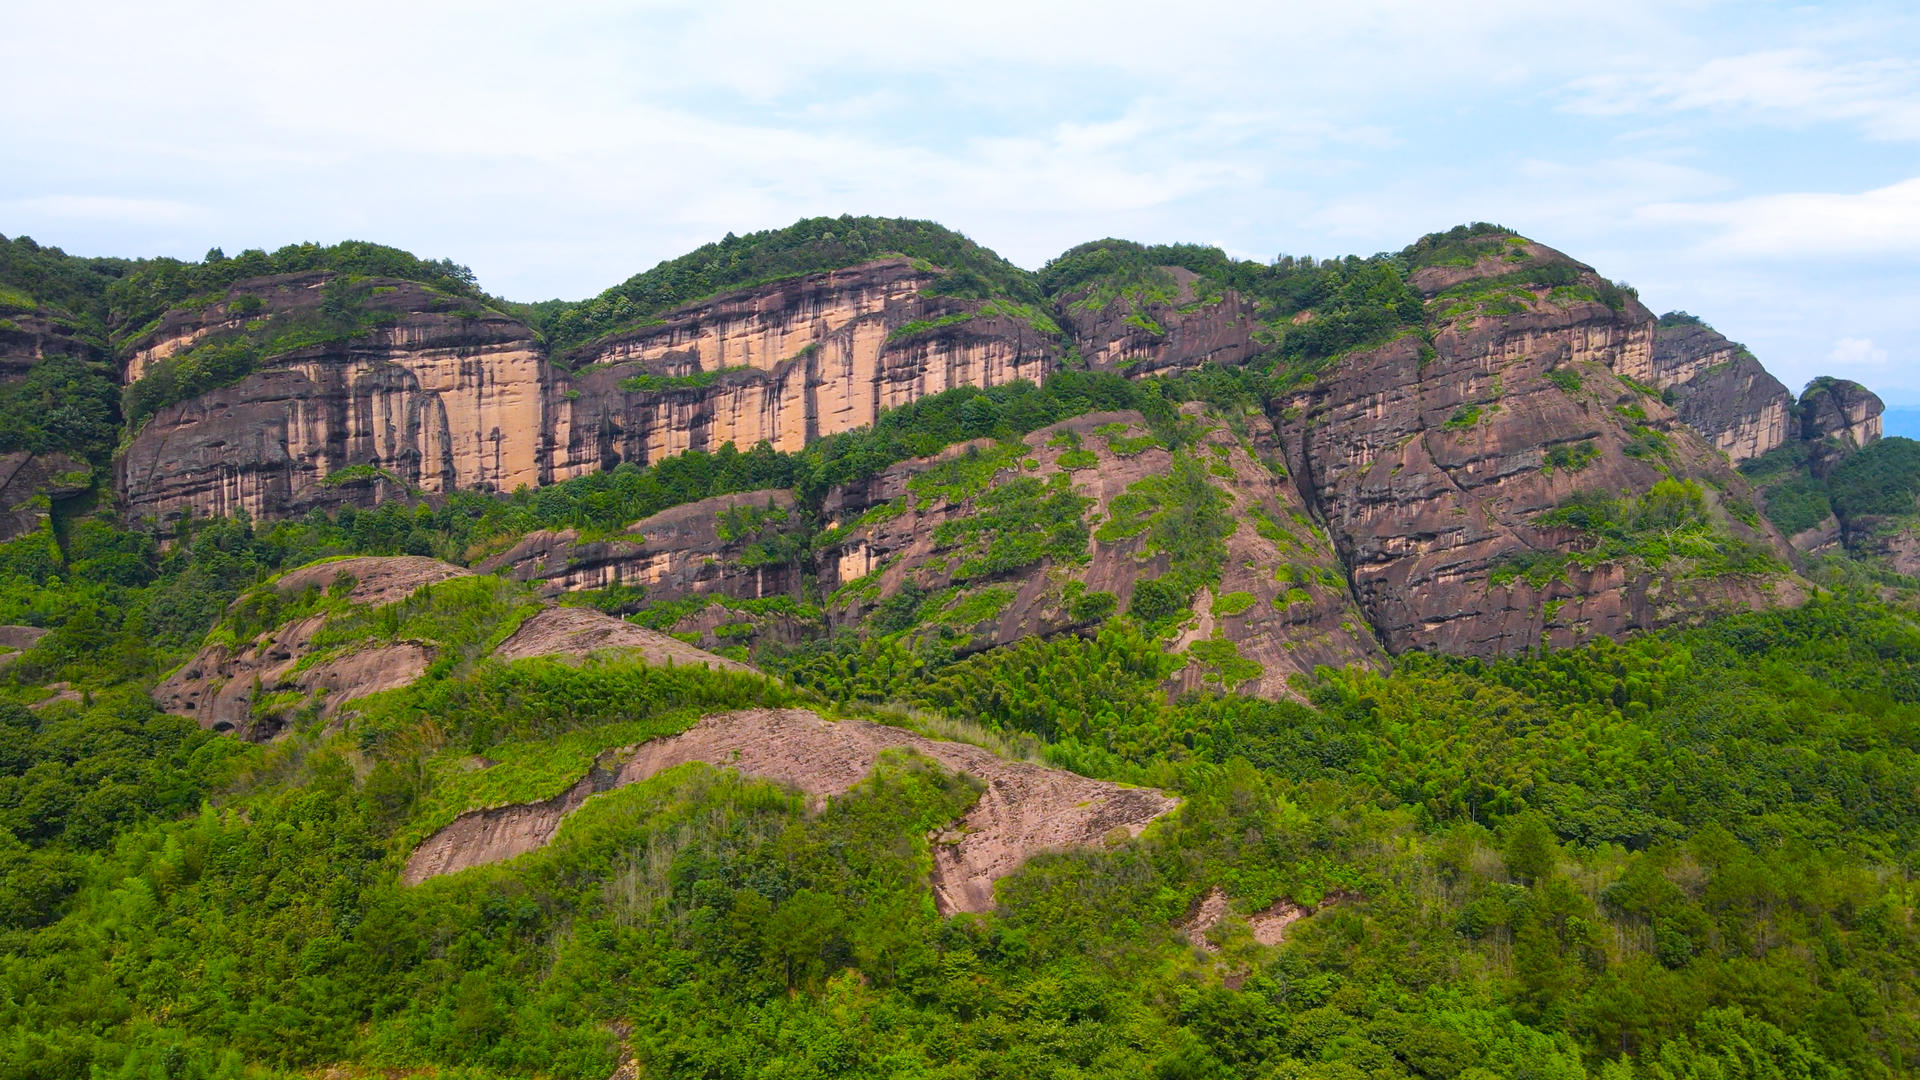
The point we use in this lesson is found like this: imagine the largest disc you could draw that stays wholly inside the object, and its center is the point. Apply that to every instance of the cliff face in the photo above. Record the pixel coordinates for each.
(1720, 390)
(434, 395)
(1434, 465)
(1146, 331)
(417, 390)
(786, 363)
(716, 546)
(1841, 410)
(952, 531)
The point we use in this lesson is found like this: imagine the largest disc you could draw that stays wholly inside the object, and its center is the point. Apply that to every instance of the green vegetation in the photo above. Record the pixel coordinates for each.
(61, 405)
(650, 383)
(1879, 480)
(805, 247)
(1669, 529)
(1572, 457)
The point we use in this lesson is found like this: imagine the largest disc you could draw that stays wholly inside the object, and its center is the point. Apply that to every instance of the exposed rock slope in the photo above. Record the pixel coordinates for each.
(1433, 464)
(248, 681)
(958, 530)
(1025, 809)
(1719, 389)
(705, 547)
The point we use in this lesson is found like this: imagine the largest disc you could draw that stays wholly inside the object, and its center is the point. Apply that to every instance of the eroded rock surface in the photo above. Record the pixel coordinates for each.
(224, 686)
(580, 632)
(1025, 809)
(1140, 334)
(1431, 464)
(29, 483)
(1841, 410)
(699, 548)
(440, 394)
(1290, 609)
(1719, 389)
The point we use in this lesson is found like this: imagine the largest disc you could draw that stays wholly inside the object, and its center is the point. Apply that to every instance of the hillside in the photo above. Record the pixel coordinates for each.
(838, 651)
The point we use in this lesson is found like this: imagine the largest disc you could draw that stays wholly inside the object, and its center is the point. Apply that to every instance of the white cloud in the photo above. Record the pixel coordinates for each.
(107, 208)
(1856, 354)
(1884, 221)
(1800, 86)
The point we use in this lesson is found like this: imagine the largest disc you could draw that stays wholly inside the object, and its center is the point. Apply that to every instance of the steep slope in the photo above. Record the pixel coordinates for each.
(1091, 517)
(338, 391)
(1719, 389)
(786, 363)
(1485, 478)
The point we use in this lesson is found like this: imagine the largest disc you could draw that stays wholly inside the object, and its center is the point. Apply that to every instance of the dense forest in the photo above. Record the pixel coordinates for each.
(1689, 854)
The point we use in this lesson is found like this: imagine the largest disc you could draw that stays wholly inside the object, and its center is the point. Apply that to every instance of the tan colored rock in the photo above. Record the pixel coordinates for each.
(1025, 809)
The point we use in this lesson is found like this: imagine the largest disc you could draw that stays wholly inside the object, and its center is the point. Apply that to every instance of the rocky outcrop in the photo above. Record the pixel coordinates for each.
(223, 685)
(1159, 326)
(786, 364)
(714, 546)
(432, 393)
(1279, 598)
(1840, 410)
(1717, 388)
(31, 483)
(577, 633)
(1431, 464)
(249, 685)
(1024, 809)
(418, 391)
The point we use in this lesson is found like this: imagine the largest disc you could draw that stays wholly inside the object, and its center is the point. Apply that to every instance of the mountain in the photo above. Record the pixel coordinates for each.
(837, 651)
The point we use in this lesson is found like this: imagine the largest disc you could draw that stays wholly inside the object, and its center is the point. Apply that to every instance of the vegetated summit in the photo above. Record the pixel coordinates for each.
(838, 651)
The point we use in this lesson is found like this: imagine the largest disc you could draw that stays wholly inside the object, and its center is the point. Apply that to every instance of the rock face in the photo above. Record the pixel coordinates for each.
(1024, 810)
(1280, 597)
(1719, 389)
(1430, 465)
(786, 363)
(705, 547)
(30, 482)
(1841, 410)
(431, 392)
(1147, 331)
(232, 686)
(438, 394)
(220, 687)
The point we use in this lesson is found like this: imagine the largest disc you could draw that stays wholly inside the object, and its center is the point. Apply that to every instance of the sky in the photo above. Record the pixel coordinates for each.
(1755, 163)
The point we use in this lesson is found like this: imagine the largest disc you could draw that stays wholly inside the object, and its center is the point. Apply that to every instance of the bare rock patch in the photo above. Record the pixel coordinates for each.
(1025, 810)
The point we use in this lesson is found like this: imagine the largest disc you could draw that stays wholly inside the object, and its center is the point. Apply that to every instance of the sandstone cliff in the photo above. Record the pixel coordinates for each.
(785, 363)
(1172, 322)
(411, 389)
(1719, 389)
(1434, 463)
(420, 390)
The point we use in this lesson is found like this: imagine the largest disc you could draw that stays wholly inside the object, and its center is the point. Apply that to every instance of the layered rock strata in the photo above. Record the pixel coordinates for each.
(1431, 464)
(1141, 332)
(786, 364)
(430, 393)
(1719, 389)
(439, 394)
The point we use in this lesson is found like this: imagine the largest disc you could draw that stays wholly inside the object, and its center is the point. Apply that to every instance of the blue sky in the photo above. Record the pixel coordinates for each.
(1755, 163)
